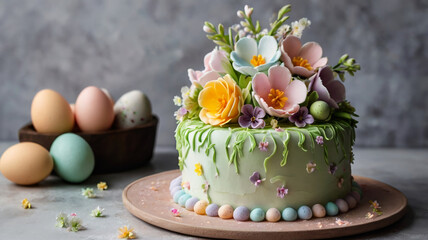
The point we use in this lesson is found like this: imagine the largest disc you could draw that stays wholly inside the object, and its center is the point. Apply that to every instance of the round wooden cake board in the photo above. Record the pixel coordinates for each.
(149, 199)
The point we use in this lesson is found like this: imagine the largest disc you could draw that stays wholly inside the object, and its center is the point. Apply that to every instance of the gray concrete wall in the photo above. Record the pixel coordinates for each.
(149, 44)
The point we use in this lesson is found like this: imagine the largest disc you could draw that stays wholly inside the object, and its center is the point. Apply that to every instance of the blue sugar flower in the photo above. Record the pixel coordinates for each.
(249, 59)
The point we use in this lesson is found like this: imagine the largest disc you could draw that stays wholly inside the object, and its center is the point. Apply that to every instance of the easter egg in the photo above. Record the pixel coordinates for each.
(273, 215)
(320, 110)
(51, 113)
(182, 200)
(190, 203)
(304, 212)
(241, 213)
(332, 209)
(225, 211)
(257, 215)
(342, 205)
(26, 163)
(356, 195)
(318, 210)
(132, 109)
(212, 210)
(289, 214)
(200, 207)
(351, 201)
(94, 110)
(73, 158)
(177, 195)
(175, 189)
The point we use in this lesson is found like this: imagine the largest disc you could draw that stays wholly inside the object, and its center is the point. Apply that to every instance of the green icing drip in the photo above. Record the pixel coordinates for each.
(278, 178)
(285, 152)
(273, 152)
(301, 141)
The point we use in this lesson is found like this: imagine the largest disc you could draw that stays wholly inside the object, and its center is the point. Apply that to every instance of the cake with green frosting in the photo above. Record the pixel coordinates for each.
(265, 131)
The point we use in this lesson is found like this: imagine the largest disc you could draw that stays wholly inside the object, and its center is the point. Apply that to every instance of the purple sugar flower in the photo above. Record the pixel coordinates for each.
(329, 90)
(255, 179)
(302, 117)
(332, 168)
(281, 192)
(263, 146)
(252, 117)
(319, 140)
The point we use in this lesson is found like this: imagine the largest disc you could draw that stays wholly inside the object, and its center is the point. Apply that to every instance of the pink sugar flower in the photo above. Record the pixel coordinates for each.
(214, 63)
(277, 94)
(301, 60)
(263, 146)
(175, 212)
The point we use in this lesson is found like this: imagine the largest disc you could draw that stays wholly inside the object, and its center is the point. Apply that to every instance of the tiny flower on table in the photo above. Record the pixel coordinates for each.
(126, 233)
(341, 222)
(301, 118)
(26, 204)
(281, 191)
(369, 215)
(175, 212)
(97, 212)
(263, 146)
(198, 169)
(102, 186)
(252, 117)
(75, 223)
(88, 192)
(319, 140)
(376, 207)
(62, 220)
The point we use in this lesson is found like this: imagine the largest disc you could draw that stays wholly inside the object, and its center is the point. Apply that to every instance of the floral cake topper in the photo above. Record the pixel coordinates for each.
(260, 78)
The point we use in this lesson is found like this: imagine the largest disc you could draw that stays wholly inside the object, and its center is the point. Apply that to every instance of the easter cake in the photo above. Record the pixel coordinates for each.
(265, 130)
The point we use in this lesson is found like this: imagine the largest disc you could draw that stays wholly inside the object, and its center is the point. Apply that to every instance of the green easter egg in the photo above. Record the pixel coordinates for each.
(73, 158)
(320, 110)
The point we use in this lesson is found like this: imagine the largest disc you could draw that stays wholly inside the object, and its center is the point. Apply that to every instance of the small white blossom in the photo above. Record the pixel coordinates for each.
(248, 10)
(246, 29)
(236, 27)
(178, 101)
(207, 29)
(240, 14)
(241, 33)
(244, 24)
(298, 27)
(283, 30)
(185, 91)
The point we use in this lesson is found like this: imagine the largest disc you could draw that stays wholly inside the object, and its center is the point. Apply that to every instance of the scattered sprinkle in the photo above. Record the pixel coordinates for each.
(62, 220)
(126, 233)
(88, 192)
(102, 186)
(175, 212)
(26, 204)
(153, 188)
(341, 222)
(97, 212)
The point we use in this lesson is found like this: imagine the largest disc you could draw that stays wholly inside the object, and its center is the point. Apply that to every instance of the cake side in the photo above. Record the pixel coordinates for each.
(217, 164)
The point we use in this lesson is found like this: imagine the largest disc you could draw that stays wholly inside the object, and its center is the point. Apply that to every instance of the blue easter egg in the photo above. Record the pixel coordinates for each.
(175, 189)
(241, 213)
(289, 214)
(212, 210)
(332, 209)
(257, 215)
(304, 212)
(73, 158)
(177, 195)
(190, 203)
(182, 200)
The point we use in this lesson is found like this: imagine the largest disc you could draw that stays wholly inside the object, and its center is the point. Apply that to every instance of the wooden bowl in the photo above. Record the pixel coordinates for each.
(115, 150)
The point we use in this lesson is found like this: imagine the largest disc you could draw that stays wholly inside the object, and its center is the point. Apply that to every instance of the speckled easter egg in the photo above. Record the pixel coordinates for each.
(182, 200)
(257, 215)
(332, 209)
(132, 109)
(273, 215)
(177, 195)
(190, 203)
(175, 190)
(351, 201)
(241, 213)
(200, 207)
(212, 210)
(318, 210)
(304, 212)
(342, 205)
(320, 110)
(289, 214)
(73, 158)
(225, 211)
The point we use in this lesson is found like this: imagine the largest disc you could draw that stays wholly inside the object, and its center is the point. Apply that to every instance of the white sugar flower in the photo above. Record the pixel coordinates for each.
(178, 101)
(297, 27)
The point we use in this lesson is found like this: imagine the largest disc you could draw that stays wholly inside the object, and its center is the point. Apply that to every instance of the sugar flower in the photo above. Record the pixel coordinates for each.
(311, 167)
(252, 117)
(62, 220)
(281, 192)
(274, 123)
(198, 169)
(126, 233)
(301, 60)
(277, 94)
(332, 168)
(75, 224)
(186, 185)
(88, 192)
(180, 113)
(175, 212)
(215, 63)
(26, 204)
(177, 101)
(205, 186)
(249, 59)
(263, 146)
(301, 117)
(221, 101)
(319, 140)
(297, 27)
(102, 186)
(329, 90)
(341, 222)
(255, 179)
(97, 212)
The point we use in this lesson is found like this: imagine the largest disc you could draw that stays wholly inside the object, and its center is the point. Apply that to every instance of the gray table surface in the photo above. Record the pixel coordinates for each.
(405, 169)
